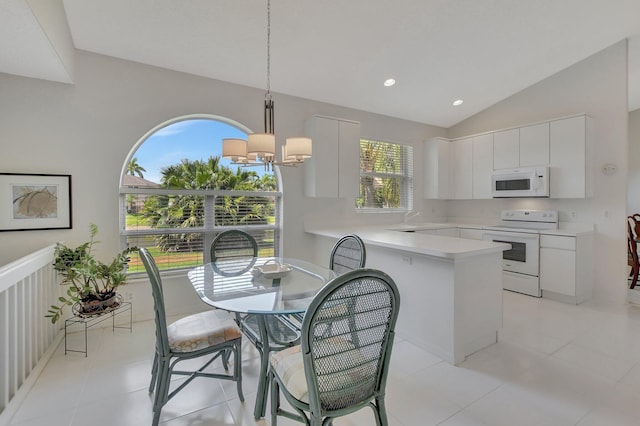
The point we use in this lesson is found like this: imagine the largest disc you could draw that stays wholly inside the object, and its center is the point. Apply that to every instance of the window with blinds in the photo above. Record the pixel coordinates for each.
(386, 176)
(178, 226)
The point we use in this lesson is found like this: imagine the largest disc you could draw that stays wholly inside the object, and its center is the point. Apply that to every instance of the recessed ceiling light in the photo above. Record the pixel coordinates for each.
(389, 82)
(458, 102)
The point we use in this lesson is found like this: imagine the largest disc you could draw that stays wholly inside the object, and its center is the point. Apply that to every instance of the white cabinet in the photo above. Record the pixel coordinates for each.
(570, 158)
(438, 169)
(482, 166)
(522, 147)
(534, 145)
(335, 143)
(471, 233)
(445, 232)
(566, 267)
(462, 168)
(506, 149)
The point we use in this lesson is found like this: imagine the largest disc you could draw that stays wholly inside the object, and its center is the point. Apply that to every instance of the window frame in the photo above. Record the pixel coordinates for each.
(407, 177)
(209, 230)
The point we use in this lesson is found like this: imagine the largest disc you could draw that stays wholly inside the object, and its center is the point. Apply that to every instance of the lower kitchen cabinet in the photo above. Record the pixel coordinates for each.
(471, 233)
(446, 232)
(566, 267)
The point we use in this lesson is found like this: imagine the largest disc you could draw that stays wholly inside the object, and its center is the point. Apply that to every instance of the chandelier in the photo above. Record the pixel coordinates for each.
(260, 148)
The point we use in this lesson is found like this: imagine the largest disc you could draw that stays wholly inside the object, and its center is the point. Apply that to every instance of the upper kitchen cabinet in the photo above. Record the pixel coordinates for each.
(570, 157)
(462, 169)
(482, 166)
(534, 145)
(458, 169)
(521, 147)
(438, 169)
(336, 142)
(506, 149)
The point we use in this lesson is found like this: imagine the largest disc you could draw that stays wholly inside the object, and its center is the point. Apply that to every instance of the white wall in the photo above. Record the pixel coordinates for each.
(596, 86)
(633, 200)
(88, 129)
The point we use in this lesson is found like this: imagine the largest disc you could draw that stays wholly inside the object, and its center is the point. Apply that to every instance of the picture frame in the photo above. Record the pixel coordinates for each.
(30, 202)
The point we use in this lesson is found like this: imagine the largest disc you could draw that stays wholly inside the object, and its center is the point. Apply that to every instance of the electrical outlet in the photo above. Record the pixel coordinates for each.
(573, 215)
(406, 260)
(129, 297)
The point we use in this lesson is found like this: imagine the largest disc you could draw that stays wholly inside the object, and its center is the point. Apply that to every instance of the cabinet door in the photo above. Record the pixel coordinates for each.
(558, 271)
(462, 168)
(482, 166)
(335, 143)
(437, 169)
(448, 232)
(471, 234)
(534, 145)
(506, 149)
(567, 157)
(348, 159)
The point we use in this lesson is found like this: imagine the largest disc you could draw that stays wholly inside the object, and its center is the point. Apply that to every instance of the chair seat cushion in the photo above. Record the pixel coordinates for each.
(289, 367)
(200, 331)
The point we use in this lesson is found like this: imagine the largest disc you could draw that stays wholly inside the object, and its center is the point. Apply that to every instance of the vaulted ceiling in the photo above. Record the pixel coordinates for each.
(340, 52)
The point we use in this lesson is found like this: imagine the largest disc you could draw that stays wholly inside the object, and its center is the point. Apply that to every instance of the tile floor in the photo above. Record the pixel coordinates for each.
(555, 364)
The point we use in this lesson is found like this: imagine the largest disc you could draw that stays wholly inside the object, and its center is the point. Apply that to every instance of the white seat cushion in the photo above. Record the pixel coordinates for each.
(288, 365)
(200, 331)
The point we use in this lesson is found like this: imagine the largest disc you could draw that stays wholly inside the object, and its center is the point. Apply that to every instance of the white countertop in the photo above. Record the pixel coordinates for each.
(569, 229)
(434, 245)
(429, 245)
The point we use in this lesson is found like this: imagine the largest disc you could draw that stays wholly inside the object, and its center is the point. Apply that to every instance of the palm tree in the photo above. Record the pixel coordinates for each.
(187, 211)
(133, 168)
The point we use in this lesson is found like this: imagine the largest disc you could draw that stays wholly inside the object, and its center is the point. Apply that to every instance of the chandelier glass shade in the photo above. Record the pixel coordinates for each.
(260, 148)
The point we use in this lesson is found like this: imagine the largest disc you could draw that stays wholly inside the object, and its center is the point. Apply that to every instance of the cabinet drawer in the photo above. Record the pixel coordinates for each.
(555, 241)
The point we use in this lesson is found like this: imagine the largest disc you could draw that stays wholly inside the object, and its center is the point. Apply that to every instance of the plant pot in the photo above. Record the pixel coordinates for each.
(100, 304)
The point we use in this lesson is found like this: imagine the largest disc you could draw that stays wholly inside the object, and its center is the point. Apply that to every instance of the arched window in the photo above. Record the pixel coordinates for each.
(177, 193)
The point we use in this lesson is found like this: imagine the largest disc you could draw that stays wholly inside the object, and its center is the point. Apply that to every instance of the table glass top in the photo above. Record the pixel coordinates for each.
(260, 285)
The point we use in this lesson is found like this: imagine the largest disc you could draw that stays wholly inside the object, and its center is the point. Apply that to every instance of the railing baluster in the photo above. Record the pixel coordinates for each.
(28, 287)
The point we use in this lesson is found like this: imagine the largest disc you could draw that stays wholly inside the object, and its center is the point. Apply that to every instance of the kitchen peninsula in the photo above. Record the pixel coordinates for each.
(450, 288)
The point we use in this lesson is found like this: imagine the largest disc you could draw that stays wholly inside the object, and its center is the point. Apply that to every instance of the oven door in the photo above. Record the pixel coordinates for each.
(524, 256)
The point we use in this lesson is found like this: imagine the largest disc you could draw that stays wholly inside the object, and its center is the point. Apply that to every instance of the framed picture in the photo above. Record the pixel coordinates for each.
(34, 202)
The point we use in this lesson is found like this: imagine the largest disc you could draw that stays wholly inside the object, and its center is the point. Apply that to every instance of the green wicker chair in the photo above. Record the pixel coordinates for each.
(190, 337)
(348, 254)
(234, 252)
(329, 375)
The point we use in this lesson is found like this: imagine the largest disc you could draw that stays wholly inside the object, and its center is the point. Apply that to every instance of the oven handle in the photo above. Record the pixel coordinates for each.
(509, 235)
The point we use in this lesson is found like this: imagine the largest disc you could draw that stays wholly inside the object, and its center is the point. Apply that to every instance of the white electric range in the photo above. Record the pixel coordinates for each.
(521, 264)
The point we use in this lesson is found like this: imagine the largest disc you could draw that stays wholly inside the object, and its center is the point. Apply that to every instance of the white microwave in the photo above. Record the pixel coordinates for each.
(522, 182)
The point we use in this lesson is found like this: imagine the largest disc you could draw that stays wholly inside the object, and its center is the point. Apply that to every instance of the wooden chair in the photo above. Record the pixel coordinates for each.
(633, 230)
(194, 336)
(330, 374)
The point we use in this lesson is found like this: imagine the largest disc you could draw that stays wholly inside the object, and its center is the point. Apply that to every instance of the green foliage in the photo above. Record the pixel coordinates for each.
(87, 278)
(376, 160)
(133, 168)
(187, 211)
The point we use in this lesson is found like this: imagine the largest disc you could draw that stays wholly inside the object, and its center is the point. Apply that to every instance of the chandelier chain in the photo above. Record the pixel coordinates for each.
(268, 49)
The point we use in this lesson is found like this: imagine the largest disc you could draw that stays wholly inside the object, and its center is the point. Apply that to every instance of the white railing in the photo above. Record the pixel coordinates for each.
(28, 287)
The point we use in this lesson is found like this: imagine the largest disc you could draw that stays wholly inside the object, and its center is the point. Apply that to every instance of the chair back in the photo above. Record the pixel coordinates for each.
(347, 254)
(346, 354)
(233, 252)
(162, 340)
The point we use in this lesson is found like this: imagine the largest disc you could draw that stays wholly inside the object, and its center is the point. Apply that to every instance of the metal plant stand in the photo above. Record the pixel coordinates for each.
(90, 320)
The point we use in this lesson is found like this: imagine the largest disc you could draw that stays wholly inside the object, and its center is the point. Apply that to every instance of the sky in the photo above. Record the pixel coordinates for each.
(196, 139)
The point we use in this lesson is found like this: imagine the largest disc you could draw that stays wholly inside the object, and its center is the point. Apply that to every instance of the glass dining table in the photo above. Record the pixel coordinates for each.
(265, 288)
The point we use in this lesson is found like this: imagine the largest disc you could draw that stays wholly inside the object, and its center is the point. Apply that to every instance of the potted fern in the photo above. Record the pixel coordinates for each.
(92, 283)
